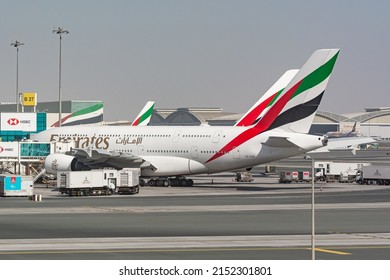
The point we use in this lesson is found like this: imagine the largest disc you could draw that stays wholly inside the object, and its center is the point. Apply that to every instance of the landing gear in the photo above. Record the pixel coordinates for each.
(168, 182)
(182, 182)
(160, 182)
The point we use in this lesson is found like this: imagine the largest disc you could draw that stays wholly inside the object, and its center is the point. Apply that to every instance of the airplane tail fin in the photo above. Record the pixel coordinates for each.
(267, 100)
(145, 115)
(295, 107)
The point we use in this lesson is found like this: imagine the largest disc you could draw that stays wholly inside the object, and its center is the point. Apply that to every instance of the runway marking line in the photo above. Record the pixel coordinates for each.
(331, 251)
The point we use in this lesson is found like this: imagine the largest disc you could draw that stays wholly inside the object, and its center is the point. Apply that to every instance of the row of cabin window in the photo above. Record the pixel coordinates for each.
(114, 135)
(134, 135)
(170, 151)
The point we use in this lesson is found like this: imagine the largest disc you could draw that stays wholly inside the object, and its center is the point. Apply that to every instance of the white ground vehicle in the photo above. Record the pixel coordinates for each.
(99, 182)
(373, 174)
(337, 171)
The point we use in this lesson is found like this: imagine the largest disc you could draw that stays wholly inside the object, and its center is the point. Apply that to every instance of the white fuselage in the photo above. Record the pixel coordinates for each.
(184, 150)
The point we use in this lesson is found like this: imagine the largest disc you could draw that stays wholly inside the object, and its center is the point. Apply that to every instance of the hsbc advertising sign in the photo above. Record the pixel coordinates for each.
(19, 122)
(9, 149)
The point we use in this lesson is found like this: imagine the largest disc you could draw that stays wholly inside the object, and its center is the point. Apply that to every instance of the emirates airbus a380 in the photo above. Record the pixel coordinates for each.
(168, 151)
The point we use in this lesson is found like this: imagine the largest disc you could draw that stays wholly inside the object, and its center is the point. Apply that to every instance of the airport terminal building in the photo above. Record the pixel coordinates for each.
(374, 122)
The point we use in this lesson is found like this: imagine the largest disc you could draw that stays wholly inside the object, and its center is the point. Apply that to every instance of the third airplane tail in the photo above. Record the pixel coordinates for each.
(145, 115)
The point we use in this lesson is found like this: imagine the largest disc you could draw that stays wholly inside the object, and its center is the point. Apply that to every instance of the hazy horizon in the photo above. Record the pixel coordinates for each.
(219, 53)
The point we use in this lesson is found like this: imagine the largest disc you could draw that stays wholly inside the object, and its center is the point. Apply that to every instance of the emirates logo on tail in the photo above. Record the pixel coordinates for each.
(13, 121)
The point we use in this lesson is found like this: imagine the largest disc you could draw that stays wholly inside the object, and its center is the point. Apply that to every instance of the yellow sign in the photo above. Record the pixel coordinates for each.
(29, 99)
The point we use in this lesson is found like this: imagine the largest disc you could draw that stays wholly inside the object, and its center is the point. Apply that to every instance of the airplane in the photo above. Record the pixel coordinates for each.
(339, 134)
(143, 118)
(340, 147)
(168, 151)
(267, 100)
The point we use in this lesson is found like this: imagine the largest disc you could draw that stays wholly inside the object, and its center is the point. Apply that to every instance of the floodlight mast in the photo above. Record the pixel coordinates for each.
(60, 31)
(17, 44)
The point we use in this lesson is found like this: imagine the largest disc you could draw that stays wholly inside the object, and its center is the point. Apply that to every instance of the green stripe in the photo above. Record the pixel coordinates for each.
(275, 97)
(317, 76)
(88, 110)
(147, 114)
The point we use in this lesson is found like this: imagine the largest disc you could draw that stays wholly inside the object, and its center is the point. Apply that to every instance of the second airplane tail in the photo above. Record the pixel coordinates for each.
(265, 102)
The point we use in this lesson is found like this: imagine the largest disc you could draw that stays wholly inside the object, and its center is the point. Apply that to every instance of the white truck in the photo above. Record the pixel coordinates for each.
(373, 174)
(99, 182)
(337, 171)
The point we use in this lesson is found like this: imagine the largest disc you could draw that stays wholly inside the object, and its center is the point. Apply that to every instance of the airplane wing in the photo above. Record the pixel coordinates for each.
(95, 158)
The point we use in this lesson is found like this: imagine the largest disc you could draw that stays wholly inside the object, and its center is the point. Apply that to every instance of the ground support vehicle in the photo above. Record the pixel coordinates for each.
(294, 176)
(16, 185)
(244, 176)
(337, 171)
(373, 174)
(98, 182)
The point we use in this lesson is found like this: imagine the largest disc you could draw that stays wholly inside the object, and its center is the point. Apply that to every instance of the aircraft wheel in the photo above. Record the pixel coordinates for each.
(174, 182)
(159, 182)
(190, 182)
(166, 183)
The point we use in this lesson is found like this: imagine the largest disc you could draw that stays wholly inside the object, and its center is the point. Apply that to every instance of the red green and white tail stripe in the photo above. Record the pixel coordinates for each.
(145, 115)
(293, 110)
(267, 100)
(90, 115)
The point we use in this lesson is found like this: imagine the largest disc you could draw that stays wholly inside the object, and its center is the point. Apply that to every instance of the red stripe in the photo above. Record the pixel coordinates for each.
(242, 138)
(62, 120)
(275, 110)
(260, 127)
(251, 117)
(135, 123)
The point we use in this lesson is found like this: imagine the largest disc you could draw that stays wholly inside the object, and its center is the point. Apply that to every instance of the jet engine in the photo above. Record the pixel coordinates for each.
(60, 162)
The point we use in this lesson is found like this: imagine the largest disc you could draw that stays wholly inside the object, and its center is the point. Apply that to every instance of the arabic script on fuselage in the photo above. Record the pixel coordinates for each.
(98, 142)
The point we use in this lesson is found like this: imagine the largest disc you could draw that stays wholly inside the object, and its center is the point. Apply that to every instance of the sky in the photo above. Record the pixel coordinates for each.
(192, 53)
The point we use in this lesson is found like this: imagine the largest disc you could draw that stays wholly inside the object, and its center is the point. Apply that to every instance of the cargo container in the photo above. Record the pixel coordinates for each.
(16, 185)
(294, 176)
(288, 176)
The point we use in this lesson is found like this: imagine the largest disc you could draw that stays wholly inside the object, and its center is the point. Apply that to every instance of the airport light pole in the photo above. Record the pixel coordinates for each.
(60, 31)
(313, 227)
(17, 44)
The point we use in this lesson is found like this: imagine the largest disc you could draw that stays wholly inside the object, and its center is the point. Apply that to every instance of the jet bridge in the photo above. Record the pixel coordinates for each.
(24, 158)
